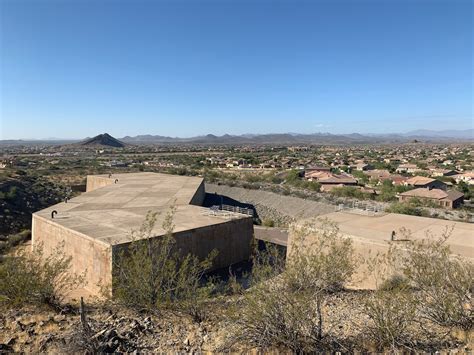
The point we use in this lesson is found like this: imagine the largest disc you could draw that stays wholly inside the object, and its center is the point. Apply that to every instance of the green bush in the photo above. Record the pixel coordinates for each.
(420, 279)
(33, 277)
(391, 314)
(285, 306)
(268, 223)
(350, 191)
(403, 208)
(151, 273)
(445, 282)
(395, 283)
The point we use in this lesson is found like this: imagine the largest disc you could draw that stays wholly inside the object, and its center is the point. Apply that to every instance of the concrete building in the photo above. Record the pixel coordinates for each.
(372, 234)
(97, 224)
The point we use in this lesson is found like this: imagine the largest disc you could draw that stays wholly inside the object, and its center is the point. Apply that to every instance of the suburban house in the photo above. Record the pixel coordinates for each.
(407, 168)
(442, 172)
(380, 175)
(326, 178)
(425, 182)
(467, 177)
(447, 199)
(312, 169)
(363, 167)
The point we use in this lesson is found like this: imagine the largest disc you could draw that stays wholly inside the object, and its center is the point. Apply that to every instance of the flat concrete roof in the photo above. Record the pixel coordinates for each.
(377, 230)
(109, 214)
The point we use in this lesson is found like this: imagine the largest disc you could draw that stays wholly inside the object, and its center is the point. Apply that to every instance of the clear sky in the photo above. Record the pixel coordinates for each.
(72, 69)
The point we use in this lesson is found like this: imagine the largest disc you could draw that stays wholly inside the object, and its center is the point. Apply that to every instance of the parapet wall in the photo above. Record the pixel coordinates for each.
(88, 255)
(198, 198)
(95, 182)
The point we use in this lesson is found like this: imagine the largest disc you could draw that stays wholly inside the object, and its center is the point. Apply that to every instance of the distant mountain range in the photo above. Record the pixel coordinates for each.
(326, 138)
(275, 138)
(463, 134)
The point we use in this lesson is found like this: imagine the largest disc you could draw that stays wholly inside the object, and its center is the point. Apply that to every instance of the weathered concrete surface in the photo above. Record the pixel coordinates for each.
(103, 218)
(95, 182)
(89, 256)
(372, 234)
(273, 235)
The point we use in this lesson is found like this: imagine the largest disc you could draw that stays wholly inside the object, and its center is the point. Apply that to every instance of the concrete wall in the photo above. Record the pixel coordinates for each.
(96, 182)
(198, 198)
(233, 241)
(87, 254)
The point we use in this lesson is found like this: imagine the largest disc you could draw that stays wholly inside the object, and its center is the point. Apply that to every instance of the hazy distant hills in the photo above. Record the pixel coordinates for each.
(254, 138)
(463, 134)
(275, 138)
(294, 138)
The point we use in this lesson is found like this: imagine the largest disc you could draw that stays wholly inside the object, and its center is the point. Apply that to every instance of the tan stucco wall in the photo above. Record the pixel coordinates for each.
(88, 255)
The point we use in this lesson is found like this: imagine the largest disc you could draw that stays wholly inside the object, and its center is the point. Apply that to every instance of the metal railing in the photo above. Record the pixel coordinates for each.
(360, 208)
(223, 209)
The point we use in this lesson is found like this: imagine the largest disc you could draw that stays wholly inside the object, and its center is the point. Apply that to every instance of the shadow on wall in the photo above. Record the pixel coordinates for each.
(214, 199)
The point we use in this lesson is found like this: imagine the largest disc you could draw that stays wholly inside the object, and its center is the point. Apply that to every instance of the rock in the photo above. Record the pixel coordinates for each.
(59, 318)
(18, 325)
(10, 341)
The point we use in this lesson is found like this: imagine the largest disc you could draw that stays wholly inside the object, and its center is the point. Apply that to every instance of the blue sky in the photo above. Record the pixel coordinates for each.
(72, 69)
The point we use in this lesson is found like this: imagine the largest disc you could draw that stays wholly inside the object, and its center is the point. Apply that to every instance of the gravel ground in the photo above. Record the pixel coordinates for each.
(116, 329)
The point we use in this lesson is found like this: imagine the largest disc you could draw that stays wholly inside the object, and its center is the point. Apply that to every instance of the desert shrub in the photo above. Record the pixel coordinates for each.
(311, 185)
(403, 208)
(391, 314)
(268, 223)
(316, 248)
(271, 316)
(276, 179)
(293, 177)
(267, 263)
(420, 278)
(391, 307)
(33, 277)
(445, 282)
(151, 273)
(233, 286)
(12, 193)
(349, 191)
(395, 283)
(285, 306)
(14, 240)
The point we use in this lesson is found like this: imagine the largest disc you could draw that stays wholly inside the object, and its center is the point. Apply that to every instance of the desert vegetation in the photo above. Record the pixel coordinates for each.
(164, 300)
(152, 274)
(33, 277)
